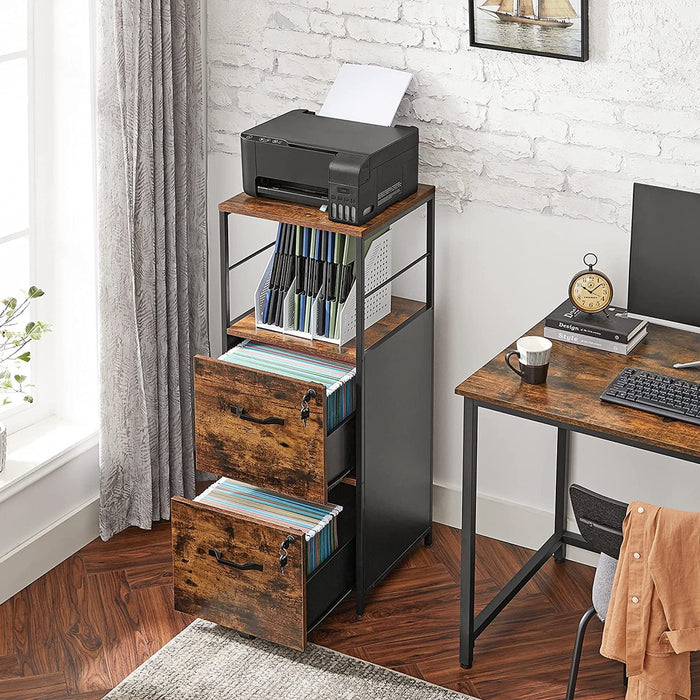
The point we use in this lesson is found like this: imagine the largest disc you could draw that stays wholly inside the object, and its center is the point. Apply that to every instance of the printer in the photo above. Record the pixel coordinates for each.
(356, 169)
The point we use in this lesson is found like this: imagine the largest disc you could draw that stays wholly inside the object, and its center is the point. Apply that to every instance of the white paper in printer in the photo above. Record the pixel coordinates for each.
(369, 94)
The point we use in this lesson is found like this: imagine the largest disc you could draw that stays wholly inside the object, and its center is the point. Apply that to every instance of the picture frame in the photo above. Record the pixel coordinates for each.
(550, 28)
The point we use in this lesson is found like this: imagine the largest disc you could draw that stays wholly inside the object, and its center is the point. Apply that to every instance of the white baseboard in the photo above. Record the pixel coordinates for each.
(504, 520)
(48, 548)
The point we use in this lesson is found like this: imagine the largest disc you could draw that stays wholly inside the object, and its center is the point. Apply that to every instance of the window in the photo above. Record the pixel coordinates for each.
(47, 231)
(16, 217)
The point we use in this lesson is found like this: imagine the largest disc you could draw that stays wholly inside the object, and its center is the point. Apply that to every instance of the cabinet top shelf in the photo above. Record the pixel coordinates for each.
(305, 215)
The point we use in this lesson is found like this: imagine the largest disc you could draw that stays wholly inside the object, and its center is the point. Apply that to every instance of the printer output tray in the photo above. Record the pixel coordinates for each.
(288, 192)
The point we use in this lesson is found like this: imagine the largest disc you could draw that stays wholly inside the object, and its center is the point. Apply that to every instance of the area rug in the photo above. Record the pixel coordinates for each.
(209, 662)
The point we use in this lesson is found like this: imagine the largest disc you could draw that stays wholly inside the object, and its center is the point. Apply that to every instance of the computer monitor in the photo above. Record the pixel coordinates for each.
(664, 277)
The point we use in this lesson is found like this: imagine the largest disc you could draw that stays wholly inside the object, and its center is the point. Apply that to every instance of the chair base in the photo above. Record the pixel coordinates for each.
(578, 647)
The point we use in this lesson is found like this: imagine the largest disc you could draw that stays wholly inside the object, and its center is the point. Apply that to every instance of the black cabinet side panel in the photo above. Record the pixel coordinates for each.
(397, 386)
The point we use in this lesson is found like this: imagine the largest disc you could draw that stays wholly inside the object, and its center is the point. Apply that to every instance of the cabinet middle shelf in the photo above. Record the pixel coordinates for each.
(401, 310)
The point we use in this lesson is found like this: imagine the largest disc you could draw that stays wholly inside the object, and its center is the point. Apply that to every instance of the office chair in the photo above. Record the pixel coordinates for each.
(599, 519)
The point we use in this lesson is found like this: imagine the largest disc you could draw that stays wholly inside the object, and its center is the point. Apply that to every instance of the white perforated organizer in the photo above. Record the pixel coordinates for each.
(377, 270)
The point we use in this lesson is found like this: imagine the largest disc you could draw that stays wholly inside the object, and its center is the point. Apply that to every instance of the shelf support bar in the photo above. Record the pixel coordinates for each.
(430, 247)
(359, 422)
(251, 256)
(225, 281)
(398, 274)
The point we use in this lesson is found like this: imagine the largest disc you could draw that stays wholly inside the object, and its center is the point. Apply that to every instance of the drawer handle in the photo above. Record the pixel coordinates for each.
(270, 420)
(241, 567)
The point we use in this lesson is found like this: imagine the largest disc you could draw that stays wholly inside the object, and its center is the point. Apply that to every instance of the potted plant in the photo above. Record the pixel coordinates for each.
(14, 339)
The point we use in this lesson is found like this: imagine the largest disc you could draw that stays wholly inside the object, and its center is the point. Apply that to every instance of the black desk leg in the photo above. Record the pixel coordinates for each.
(562, 481)
(466, 613)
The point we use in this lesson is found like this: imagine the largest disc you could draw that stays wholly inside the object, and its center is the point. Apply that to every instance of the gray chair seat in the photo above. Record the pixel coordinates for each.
(602, 584)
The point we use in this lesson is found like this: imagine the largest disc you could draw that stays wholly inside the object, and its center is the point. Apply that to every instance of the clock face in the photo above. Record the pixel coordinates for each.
(590, 292)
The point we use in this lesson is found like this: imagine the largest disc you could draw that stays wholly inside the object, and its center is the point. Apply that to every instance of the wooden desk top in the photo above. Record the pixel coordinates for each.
(306, 215)
(578, 376)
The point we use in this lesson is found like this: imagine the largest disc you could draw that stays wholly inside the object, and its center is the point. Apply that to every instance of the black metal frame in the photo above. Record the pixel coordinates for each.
(584, 38)
(373, 360)
(576, 656)
(472, 626)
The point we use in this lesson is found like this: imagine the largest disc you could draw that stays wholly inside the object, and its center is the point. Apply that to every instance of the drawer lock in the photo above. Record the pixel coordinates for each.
(289, 539)
(249, 566)
(305, 411)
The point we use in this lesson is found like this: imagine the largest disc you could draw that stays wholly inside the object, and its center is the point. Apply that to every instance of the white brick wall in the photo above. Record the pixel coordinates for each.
(521, 132)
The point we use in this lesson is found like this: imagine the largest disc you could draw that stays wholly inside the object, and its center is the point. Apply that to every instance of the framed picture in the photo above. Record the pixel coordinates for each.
(554, 28)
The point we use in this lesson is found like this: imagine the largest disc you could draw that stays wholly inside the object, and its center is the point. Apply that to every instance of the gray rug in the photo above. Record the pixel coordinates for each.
(208, 662)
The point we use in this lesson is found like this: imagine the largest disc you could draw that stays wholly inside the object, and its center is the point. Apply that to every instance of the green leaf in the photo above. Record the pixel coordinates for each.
(28, 399)
(24, 357)
(19, 378)
(35, 292)
(29, 326)
(5, 401)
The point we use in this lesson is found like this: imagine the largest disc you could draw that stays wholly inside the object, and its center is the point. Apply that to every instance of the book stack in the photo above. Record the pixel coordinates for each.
(615, 332)
(337, 377)
(319, 522)
(320, 265)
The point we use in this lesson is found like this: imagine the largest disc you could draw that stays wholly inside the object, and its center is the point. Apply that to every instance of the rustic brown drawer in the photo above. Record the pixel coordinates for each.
(227, 570)
(249, 427)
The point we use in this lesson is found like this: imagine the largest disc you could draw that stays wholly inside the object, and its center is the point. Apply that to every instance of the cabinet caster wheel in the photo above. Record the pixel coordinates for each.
(243, 635)
(428, 540)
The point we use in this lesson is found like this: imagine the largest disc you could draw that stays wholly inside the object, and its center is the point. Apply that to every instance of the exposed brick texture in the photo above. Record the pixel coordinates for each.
(521, 132)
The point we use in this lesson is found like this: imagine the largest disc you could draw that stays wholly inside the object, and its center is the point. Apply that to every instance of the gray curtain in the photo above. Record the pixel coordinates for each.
(152, 253)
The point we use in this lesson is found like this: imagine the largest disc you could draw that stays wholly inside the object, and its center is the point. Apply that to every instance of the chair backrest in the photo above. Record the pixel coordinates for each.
(599, 519)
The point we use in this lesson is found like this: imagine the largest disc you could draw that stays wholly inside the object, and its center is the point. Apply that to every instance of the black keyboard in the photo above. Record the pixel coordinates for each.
(655, 393)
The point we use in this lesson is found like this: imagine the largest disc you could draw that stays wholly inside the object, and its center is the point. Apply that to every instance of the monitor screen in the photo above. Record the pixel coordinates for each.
(664, 280)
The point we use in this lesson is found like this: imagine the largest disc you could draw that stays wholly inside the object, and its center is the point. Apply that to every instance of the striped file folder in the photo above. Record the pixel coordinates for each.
(337, 377)
(319, 522)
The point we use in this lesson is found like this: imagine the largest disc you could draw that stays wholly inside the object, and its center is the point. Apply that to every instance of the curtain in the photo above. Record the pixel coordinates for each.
(152, 253)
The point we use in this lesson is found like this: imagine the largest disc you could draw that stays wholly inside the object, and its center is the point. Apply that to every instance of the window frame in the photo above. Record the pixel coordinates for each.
(20, 414)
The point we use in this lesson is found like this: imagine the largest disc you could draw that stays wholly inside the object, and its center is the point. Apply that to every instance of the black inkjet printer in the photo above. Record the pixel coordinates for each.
(357, 169)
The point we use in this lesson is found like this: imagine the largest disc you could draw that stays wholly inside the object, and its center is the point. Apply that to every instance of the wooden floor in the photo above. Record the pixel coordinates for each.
(76, 632)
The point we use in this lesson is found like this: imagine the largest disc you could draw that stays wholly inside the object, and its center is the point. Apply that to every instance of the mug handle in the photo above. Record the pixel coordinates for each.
(508, 356)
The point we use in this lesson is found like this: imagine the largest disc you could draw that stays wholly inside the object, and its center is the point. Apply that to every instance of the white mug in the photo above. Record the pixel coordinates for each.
(534, 350)
(533, 353)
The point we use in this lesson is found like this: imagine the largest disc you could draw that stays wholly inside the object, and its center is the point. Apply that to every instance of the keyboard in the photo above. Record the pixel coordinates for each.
(655, 393)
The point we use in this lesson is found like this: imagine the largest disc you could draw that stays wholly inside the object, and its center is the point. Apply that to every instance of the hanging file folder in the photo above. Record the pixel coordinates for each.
(319, 522)
(337, 377)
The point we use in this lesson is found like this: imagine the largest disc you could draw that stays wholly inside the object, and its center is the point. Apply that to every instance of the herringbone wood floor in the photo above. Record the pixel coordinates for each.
(76, 632)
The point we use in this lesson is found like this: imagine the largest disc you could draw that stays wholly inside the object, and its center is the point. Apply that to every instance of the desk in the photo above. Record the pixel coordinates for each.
(570, 402)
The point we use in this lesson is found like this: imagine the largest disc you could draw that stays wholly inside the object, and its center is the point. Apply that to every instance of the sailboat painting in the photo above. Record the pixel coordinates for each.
(556, 28)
